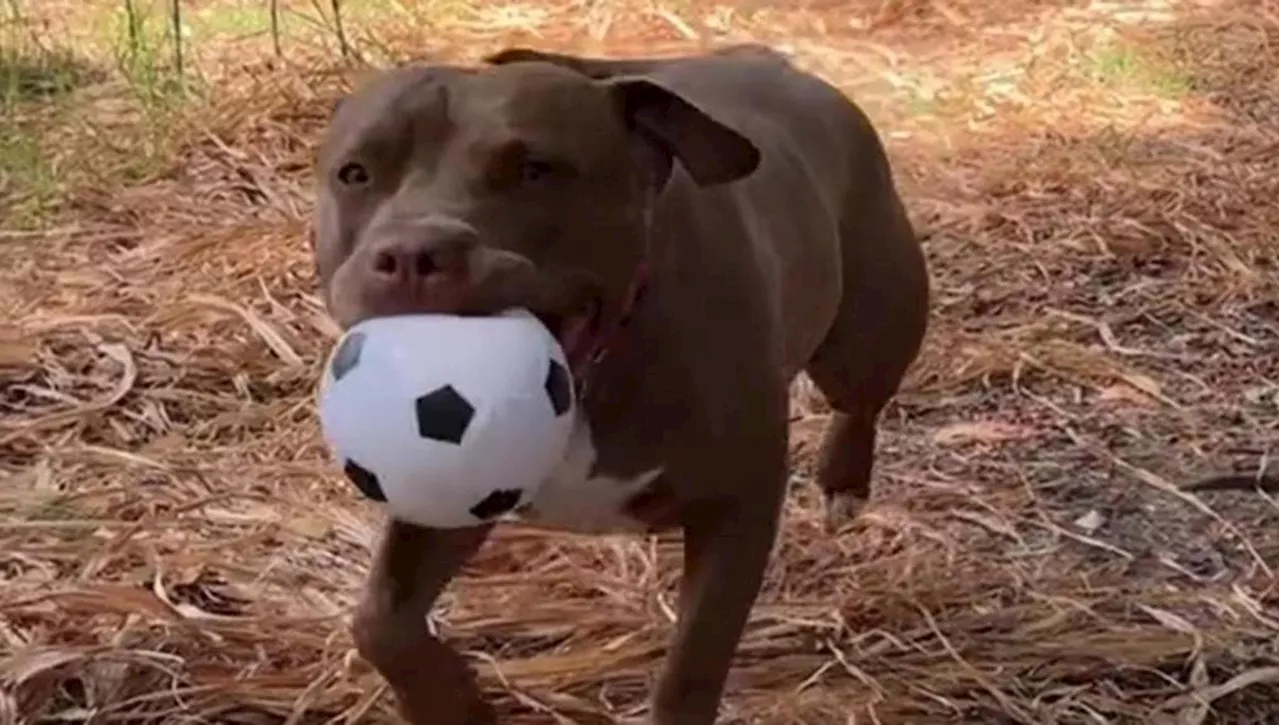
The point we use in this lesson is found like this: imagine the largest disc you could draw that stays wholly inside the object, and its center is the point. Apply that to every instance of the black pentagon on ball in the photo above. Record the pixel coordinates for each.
(496, 503)
(443, 415)
(559, 388)
(364, 480)
(348, 354)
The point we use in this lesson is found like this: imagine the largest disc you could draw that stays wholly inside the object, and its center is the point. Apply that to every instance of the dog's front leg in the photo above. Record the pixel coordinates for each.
(727, 545)
(431, 681)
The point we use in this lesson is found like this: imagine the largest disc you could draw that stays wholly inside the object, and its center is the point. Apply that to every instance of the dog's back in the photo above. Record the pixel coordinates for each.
(831, 237)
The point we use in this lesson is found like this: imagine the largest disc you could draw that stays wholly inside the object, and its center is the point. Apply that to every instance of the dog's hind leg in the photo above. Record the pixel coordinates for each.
(876, 335)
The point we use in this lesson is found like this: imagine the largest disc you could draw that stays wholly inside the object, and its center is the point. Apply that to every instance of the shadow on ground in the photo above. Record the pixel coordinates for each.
(43, 74)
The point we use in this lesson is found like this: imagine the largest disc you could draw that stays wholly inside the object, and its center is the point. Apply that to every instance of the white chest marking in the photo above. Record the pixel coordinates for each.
(574, 500)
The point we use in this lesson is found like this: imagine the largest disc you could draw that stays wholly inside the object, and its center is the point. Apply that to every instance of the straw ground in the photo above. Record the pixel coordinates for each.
(1097, 189)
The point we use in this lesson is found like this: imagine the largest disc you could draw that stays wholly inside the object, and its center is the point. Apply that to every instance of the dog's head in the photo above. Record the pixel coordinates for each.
(525, 182)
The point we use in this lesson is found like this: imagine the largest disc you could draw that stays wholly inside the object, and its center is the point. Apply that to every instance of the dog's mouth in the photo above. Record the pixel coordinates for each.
(576, 329)
(569, 306)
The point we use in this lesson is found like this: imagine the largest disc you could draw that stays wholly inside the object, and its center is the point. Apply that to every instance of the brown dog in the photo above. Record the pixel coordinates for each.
(696, 231)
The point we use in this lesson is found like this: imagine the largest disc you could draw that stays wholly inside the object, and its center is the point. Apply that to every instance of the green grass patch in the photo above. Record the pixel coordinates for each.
(29, 184)
(53, 138)
(33, 67)
(229, 20)
(45, 160)
(35, 78)
(36, 74)
(1125, 65)
(145, 52)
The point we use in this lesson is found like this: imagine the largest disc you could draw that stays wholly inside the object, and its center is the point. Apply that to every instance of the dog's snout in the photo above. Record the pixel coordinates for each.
(403, 261)
(411, 260)
(427, 267)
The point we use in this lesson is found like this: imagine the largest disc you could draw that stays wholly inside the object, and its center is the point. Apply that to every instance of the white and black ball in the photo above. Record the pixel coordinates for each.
(450, 421)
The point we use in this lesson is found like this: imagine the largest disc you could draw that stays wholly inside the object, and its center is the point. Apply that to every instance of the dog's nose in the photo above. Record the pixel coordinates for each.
(416, 260)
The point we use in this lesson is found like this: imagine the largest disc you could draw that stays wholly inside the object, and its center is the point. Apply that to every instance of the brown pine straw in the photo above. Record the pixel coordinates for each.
(176, 548)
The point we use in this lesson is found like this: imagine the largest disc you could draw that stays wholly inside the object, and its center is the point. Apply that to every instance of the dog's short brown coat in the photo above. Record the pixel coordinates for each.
(760, 202)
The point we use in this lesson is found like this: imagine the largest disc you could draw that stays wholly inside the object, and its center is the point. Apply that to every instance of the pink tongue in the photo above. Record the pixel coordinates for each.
(576, 340)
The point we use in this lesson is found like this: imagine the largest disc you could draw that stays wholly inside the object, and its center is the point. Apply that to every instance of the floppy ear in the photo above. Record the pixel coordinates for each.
(710, 151)
(598, 68)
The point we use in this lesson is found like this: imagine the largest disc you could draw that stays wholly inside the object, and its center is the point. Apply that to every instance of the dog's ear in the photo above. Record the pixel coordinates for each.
(516, 54)
(590, 67)
(710, 151)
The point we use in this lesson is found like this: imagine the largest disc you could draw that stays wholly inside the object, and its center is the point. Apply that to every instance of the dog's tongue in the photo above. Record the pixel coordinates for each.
(576, 339)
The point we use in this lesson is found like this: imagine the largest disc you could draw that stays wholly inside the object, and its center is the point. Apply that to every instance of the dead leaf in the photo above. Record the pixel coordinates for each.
(1124, 394)
(1149, 386)
(806, 433)
(15, 353)
(1173, 621)
(24, 665)
(989, 431)
(1194, 705)
(1090, 522)
(311, 527)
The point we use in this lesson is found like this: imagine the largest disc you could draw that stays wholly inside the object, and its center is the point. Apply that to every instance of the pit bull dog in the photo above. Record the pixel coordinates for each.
(696, 231)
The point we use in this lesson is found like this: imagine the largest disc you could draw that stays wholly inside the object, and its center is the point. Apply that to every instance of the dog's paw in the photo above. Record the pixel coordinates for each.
(841, 510)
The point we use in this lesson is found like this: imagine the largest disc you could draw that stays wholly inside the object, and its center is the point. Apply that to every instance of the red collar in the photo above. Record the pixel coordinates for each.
(610, 330)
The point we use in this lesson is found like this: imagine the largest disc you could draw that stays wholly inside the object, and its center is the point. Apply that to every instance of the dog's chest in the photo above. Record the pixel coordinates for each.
(577, 497)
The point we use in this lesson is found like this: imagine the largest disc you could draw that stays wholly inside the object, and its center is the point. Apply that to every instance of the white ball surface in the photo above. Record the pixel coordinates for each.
(452, 421)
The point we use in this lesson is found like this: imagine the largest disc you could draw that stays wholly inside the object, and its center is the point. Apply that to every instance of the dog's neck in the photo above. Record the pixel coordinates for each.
(615, 326)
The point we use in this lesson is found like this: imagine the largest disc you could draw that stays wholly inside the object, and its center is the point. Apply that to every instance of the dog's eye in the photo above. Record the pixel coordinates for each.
(531, 171)
(353, 174)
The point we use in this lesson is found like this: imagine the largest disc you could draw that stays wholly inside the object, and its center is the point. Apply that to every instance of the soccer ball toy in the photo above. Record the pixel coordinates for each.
(450, 421)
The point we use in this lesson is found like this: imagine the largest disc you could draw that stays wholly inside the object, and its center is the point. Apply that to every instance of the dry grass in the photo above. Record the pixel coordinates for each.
(1097, 187)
